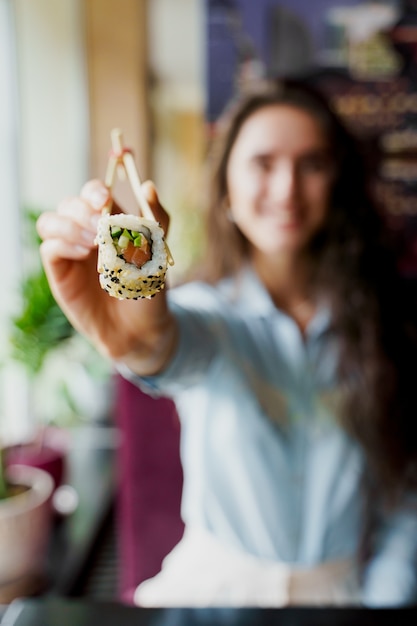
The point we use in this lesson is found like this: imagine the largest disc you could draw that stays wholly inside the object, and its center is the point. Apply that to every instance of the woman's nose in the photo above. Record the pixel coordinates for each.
(283, 182)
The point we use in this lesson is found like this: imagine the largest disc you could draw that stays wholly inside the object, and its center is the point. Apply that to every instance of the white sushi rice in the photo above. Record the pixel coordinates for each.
(124, 280)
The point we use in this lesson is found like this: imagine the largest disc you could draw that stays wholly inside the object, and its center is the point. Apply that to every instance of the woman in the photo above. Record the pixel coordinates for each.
(290, 363)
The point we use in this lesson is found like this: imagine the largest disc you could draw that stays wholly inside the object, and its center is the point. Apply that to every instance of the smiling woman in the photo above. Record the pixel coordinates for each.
(279, 180)
(291, 428)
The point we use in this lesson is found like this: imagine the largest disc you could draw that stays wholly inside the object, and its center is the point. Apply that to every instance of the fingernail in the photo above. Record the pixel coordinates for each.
(99, 198)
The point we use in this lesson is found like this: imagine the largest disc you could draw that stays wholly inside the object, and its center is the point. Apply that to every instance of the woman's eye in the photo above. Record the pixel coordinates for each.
(315, 163)
(263, 163)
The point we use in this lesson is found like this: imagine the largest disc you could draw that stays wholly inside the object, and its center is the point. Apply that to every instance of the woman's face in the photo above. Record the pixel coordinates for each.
(279, 179)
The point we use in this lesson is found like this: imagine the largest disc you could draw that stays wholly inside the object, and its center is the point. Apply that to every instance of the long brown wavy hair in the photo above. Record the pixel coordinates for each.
(354, 268)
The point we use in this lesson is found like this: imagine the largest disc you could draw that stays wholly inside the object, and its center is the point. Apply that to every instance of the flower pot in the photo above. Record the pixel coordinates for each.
(48, 453)
(25, 525)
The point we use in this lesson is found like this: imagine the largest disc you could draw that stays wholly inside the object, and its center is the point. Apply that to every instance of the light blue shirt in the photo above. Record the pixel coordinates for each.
(267, 466)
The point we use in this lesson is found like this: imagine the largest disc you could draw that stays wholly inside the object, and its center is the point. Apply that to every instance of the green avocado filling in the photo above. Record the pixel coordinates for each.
(122, 237)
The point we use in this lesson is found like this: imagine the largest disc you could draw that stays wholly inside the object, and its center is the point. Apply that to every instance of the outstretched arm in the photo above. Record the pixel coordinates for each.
(140, 333)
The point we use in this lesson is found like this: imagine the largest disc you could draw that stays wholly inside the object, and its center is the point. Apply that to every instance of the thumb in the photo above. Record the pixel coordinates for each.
(151, 195)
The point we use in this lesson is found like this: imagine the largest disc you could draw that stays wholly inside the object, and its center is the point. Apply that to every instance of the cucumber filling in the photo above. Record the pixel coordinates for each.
(124, 237)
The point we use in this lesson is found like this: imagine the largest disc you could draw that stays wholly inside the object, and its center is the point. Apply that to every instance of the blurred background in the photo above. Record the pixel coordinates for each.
(71, 71)
(162, 71)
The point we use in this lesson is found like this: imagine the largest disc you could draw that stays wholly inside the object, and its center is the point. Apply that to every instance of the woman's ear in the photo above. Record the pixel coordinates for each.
(225, 205)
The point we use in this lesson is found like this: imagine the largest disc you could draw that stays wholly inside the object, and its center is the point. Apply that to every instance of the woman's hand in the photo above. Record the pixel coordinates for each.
(140, 333)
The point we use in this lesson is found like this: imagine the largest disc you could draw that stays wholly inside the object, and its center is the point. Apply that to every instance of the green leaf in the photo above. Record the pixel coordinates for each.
(40, 326)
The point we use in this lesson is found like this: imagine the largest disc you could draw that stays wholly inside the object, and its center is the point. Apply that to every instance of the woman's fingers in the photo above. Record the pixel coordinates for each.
(99, 197)
(63, 228)
(55, 249)
(81, 212)
(74, 223)
(70, 231)
(96, 194)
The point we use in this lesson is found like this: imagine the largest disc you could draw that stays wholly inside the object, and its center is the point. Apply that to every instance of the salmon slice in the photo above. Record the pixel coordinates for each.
(137, 255)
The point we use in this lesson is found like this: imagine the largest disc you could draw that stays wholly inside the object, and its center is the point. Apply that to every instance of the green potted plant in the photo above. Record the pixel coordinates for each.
(36, 330)
(68, 382)
(39, 336)
(61, 365)
(40, 326)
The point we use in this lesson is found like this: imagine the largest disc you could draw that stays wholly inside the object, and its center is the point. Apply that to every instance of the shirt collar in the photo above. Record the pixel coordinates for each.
(248, 292)
(250, 295)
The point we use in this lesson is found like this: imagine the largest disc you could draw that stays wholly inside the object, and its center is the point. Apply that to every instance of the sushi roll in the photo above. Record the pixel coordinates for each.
(132, 256)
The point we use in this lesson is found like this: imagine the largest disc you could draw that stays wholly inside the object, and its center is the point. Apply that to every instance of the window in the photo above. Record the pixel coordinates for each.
(44, 149)
(10, 250)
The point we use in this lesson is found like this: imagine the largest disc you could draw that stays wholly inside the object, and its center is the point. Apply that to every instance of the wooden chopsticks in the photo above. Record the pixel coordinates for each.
(121, 163)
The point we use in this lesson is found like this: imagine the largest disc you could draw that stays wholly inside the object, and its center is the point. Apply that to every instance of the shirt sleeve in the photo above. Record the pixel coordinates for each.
(199, 336)
(390, 578)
